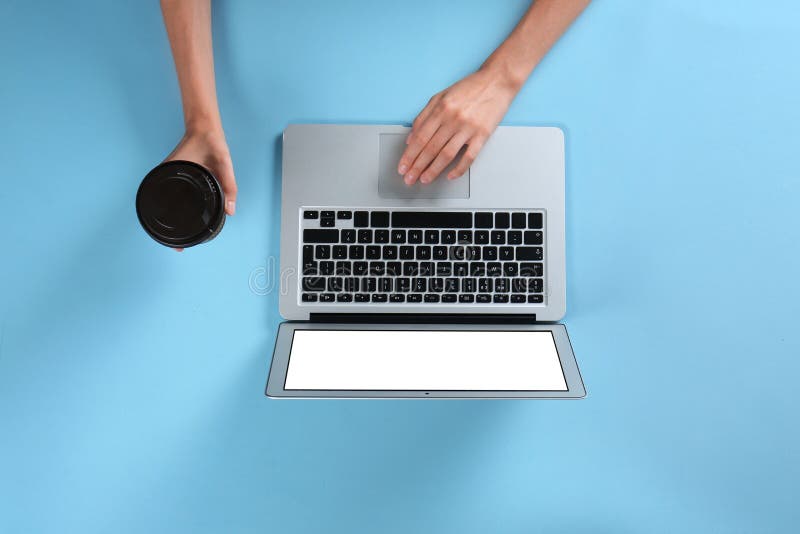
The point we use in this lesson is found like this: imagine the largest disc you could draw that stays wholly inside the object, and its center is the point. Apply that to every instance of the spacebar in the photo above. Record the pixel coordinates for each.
(431, 219)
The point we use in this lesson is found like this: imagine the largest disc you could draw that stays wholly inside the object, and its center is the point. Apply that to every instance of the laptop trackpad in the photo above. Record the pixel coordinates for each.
(391, 185)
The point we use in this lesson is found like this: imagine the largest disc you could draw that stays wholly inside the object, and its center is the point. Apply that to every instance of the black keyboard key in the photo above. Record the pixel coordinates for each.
(313, 235)
(501, 285)
(406, 252)
(506, 253)
(379, 298)
(418, 285)
(344, 268)
(484, 285)
(535, 285)
(373, 252)
(326, 267)
(518, 220)
(466, 298)
(423, 252)
(493, 268)
(335, 283)
(535, 299)
(465, 237)
(389, 252)
(426, 268)
(501, 220)
(323, 252)
(308, 253)
(397, 297)
(432, 298)
(339, 252)
(431, 237)
(534, 237)
(369, 284)
(431, 219)
(449, 297)
(529, 253)
(348, 236)
(448, 237)
(327, 222)
(498, 237)
(361, 297)
(327, 214)
(365, 236)
(510, 269)
(514, 237)
(361, 219)
(489, 253)
(309, 297)
(378, 268)
(444, 268)
(351, 284)
(355, 252)
(360, 268)
(481, 237)
(385, 285)
(393, 268)
(310, 268)
(501, 299)
(415, 236)
(519, 285)
(468, 285)
(460, 268)
(483, 298)
(483, 220)
(380, 219)
(516, 299)
(327, 297)
(477, 268)
(439, 253)
(451, 285)
(531, 269)
(403, 284)
(414, 297)
(313, 283)
(436, 285)
(535, 220)
(381, 236)
(410, 268)
(398, 236)
(344, 214)
(311, 214)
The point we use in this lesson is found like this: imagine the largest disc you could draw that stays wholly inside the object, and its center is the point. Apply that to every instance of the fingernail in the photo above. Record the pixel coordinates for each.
(408, 138)
(402, 168)
(409, 178)
(425, 179)
(231, 205)
(451, 175)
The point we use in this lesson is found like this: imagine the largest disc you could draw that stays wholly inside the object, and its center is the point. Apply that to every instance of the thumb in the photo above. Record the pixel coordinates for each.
(228, 183)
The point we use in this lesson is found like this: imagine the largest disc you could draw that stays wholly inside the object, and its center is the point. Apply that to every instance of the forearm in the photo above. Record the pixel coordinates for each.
(540, 28)
(188, 24)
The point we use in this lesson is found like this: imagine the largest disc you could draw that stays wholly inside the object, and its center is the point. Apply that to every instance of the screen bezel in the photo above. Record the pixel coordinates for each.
(280, 362)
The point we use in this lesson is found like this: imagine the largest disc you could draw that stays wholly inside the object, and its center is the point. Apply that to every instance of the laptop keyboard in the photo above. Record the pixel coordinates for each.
(422, 257)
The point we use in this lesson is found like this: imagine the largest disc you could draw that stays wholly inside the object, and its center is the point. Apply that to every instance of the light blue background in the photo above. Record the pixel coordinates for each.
(132, 377)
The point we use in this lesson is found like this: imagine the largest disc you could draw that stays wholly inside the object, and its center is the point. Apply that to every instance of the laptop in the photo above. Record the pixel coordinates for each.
(446, 290)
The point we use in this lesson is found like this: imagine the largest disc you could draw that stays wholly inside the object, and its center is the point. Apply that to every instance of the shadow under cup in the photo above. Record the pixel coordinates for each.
(181, 204)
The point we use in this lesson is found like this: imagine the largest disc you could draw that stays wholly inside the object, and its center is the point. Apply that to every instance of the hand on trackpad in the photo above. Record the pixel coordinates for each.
(391, 184)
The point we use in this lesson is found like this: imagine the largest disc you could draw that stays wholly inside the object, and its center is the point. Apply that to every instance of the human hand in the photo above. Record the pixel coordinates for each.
(465, 113)
(209, 149)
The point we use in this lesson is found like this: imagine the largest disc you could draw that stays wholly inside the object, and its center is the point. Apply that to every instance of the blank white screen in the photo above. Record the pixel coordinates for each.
(424, 360)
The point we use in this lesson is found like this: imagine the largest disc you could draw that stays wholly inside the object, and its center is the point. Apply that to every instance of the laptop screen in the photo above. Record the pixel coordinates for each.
(433, 360)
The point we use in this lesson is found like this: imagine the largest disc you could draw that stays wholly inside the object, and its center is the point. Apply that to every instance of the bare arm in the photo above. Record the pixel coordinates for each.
(468, 112)
(188, 24)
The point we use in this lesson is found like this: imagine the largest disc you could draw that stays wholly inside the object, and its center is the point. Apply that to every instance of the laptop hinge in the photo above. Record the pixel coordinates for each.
(424, 318)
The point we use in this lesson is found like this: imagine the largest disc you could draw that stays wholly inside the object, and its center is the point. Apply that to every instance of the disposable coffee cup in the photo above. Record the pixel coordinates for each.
(180, 204)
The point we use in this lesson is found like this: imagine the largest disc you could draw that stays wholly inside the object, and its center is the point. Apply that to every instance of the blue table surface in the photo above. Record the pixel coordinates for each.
(132, 377)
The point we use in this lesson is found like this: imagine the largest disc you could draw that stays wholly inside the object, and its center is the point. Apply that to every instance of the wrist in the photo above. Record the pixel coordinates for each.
(201, 123)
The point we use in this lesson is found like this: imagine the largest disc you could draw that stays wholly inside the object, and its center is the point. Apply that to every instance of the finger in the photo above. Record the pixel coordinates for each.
(228, 182)
(424, 114)
(474, 147)
(178, 249)
(428, 153)
(444, 158)
(417, 139)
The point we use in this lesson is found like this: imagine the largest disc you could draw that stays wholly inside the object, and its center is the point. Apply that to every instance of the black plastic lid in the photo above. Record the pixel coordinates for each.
(180, 204)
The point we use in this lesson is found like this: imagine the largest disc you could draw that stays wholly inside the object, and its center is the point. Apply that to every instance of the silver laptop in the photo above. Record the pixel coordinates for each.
(446, 290)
